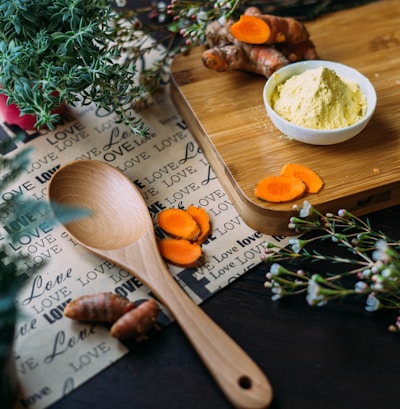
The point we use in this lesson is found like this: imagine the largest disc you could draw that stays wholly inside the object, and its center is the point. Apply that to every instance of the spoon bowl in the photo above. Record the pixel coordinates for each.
(113, 222)
(120, 229)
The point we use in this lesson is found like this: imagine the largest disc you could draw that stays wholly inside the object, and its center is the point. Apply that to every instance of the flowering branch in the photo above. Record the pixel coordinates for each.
(171, 29)
(175, 27)
(370, 266)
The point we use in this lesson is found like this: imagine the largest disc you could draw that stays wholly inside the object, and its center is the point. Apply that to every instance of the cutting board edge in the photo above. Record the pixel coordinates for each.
(261, 217)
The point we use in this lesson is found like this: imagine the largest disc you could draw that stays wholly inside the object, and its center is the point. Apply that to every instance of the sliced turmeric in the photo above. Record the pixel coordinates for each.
(138, 322)
(101, 307)
(251, 29)
(311, 179)
(179, 224)
(278, 189)
(256, 28)
(203, 221)
(181, 252)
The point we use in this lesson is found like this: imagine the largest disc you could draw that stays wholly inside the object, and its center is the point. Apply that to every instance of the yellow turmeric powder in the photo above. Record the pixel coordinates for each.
(319, 99)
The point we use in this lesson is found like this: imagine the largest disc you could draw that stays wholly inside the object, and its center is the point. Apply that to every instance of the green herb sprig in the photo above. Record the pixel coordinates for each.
(55, 51)
(364, 263)
(13, 264)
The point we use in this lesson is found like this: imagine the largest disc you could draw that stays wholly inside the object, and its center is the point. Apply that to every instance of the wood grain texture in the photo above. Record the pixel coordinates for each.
(226, 114)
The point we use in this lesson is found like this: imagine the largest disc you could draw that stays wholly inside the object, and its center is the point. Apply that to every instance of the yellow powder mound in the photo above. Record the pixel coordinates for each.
(319, 99)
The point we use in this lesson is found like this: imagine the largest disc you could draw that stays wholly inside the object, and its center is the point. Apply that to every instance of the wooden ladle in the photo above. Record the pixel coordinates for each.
(120, 229)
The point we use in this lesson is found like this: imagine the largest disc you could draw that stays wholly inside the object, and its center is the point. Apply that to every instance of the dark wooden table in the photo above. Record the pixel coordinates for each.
(334, 357)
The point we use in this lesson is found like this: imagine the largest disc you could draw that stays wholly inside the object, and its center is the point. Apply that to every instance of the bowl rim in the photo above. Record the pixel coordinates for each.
(299, 67)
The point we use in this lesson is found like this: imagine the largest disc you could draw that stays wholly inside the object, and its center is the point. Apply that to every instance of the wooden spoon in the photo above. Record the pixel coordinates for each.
(120, 230)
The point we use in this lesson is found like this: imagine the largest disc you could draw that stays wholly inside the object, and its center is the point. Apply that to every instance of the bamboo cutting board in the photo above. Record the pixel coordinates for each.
(226, 114)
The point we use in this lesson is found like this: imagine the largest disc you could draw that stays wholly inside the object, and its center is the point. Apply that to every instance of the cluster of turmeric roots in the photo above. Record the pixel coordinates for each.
(126, 319)
(258, 43)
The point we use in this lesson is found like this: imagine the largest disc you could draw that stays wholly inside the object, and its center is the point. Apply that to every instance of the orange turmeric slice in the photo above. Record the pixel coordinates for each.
(281, 29)
(279, 189)
(251, 29)
(203, 221)
(179, 223)
(312, 181)
(181, 252)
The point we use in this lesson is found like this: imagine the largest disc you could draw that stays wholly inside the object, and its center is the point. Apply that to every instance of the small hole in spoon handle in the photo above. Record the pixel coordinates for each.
(245, 382)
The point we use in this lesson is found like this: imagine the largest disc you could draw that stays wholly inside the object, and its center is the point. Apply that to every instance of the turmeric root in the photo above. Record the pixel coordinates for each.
(179, 224)
(101, 307)
(203, 220)
(300, 51)
(219, 34)
(136, 323)
(278, 189)
(228, 50)
(127, 320)
(256, 28)
(181, 252)
(261, 60)
(311, 179)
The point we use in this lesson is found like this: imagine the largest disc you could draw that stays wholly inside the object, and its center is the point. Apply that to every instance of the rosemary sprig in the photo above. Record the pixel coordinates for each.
(55, 51)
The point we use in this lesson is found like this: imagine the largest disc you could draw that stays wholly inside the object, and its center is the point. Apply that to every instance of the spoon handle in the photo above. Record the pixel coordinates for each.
(120, 230)
(242, 381)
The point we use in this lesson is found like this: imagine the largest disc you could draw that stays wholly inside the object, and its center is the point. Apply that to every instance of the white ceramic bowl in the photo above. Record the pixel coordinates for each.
(315, 136)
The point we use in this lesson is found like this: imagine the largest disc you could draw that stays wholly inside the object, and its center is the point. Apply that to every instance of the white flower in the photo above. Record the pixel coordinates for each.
(222, 21)
(192, 12)
(314, 296)
(372, 303)
(367, 273)
(275, 269)
(202, 17)
(360, 286)
(381, 245)
(386, 273)
(120, 3)
(381, 252)
(296, 245)
(377, 267)
(306, 209)
(161, 6)
(378, 286)
(277, 291)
